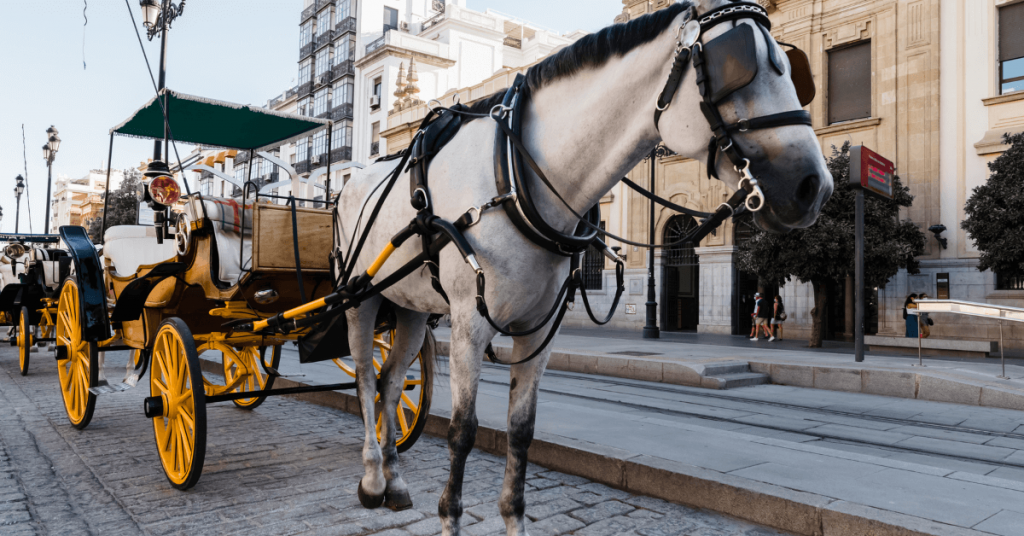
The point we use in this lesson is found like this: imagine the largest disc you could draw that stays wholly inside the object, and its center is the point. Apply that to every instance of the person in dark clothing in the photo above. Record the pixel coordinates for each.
(762, 317)
(778, 317)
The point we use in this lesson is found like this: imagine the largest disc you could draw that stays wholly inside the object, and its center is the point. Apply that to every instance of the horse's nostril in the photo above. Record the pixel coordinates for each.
(807, 191)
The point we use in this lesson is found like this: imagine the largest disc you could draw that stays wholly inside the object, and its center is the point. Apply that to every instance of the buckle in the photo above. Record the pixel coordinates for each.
(744, 125)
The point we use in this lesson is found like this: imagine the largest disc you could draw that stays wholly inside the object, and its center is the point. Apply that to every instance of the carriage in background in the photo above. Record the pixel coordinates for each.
(31, 269)
(169, 293)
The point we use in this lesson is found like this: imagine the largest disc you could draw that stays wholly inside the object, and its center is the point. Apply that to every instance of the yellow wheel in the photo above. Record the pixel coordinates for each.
(77, 365)
(25, 340)
(414, 405)
(177, 404)
(45, 327)
(255, 379)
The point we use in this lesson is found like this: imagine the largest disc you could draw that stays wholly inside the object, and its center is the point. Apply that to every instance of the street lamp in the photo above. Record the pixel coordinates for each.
(50, 154)
(19, 188)
(150, 12)
(651, 330)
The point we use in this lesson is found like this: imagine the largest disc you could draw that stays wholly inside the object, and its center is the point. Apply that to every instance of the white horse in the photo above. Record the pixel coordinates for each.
(589, 120)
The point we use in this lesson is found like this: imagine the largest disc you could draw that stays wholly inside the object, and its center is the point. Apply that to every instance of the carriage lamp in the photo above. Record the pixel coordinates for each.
(164, 190)
(47, 152)
(150, 12)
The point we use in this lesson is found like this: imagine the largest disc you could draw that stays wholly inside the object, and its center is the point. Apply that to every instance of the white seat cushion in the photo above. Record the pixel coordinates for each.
(129, 246)
(226, 216)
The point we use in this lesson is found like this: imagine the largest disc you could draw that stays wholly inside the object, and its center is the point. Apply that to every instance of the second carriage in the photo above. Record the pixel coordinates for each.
(169, 293)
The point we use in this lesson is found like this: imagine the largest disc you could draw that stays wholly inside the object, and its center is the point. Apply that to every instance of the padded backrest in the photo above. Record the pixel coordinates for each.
(129, 246)
(234, 248)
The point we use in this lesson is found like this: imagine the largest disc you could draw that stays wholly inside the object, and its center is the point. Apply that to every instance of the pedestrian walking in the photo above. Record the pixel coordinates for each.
(911, 320)
(753, 317)
(778, 318)
(926, 321)
(762, 317)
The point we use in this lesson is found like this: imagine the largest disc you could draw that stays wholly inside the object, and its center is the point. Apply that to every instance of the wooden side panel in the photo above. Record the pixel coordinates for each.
(273, 248)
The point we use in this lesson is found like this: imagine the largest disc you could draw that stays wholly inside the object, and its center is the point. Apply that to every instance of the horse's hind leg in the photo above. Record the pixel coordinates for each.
(410, 329)
(522, 413)
(470, 336)
(361, 322)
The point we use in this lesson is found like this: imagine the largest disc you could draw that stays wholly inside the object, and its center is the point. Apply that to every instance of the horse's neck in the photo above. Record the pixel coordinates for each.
(587, 131)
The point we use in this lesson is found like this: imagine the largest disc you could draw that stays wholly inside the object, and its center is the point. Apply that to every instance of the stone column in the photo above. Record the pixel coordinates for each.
(716, 288)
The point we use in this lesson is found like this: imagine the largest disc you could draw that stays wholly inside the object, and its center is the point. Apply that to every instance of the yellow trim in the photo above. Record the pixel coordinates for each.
(292, 313)
(381, 259)
(220, 157)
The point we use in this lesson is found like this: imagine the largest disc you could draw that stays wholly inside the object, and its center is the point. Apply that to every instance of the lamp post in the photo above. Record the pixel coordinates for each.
(651, 330)
(19, 187)
(157, 17)
(49, 154)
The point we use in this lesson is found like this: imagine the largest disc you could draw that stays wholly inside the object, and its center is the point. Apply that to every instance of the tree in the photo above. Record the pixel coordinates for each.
(824, 252)
(995, 212)
(123, 207)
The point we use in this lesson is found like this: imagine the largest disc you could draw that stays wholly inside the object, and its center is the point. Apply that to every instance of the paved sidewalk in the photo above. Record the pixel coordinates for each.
(285, 468)
(957, 380)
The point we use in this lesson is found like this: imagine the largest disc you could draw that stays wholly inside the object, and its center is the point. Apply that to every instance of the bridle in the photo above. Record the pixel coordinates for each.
(689, 46)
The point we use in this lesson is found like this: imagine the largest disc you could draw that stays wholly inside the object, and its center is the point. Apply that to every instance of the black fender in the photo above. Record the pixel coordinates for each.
(89, 274)
(133, 298)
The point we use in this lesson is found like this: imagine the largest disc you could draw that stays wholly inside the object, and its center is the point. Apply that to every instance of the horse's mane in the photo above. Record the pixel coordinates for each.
(592, 50)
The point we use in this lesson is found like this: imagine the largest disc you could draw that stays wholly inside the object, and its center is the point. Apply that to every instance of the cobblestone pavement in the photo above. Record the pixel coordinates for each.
(286, 468)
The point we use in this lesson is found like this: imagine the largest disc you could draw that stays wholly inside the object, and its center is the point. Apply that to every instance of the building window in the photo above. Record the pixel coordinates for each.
(306, 107)
(344, 9)
(206, 186)
(319, 143)
(849, 83)
(323, 61)
(342, 135)
(376, 93)
(322, 102)
(240, 175)
(343, 93)
(302, 149)
(323, 22)
(1009, 282)
(390, 19)
(344, 51)
(305, 72)
(375, 138)
(593, 267)
(306, 34)
(267, 167)
(1011, 48)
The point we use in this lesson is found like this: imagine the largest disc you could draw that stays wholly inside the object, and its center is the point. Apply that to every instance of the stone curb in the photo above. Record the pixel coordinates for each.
(798, 512)
(923, 385)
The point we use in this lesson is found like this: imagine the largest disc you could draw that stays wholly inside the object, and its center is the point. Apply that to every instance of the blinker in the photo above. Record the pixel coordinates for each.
(731, 61)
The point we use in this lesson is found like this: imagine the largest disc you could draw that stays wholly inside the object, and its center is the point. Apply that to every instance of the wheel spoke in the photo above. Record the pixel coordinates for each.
(408, 402)
(401, 419)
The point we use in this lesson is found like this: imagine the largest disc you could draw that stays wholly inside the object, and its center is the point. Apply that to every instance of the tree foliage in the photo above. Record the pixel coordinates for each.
(824, 252)
(995, 212)
(123, 207)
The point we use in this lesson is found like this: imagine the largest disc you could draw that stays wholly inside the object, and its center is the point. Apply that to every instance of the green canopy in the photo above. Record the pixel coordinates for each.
(202, 121)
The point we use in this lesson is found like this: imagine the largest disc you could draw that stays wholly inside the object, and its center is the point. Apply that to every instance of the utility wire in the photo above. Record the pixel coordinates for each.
(28, 200)
(86, 17)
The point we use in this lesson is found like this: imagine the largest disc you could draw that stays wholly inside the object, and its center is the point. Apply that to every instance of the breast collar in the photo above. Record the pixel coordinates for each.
(689, 46)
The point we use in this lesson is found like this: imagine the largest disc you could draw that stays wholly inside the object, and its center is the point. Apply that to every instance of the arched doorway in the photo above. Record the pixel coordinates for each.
(680, 278)
(745, 283)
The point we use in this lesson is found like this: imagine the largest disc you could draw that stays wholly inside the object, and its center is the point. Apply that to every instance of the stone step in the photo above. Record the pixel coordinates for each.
(725, 367)
(734, 380)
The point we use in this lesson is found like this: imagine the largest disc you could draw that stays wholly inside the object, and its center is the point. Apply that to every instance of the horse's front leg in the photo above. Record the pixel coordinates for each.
(522, 413)
(409, 332)
(470, 336)
(361, 322)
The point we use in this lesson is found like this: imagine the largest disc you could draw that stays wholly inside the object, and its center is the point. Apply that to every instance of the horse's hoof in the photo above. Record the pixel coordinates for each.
(397, 500)
(367, 500)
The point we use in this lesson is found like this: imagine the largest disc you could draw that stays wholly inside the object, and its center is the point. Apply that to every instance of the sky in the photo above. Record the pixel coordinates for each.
(86, 78)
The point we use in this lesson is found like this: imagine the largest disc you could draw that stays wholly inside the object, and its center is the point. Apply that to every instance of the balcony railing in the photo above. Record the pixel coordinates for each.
(306, 50)
(320, 4)
(327, 114)
(305, 89)
(377, 43)
(346, 25)
(342, 111)
(323, 39)
(341, 154)
(513, 42)
(432, 21)
(291, 92)
(307, 13)
(205, 175)
(302, 167)
(375, 148)
(346, 67)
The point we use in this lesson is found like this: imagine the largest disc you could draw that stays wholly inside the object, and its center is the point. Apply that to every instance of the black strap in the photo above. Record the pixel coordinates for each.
(664, 202)
(675, 77)
(295, 248)
(353, 255)
(781, 119)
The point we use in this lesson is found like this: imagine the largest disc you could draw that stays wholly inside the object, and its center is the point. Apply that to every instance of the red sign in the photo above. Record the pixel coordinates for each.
(868, 170)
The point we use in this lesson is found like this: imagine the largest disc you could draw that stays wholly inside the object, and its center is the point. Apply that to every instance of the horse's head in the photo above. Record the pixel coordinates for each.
(748, 77)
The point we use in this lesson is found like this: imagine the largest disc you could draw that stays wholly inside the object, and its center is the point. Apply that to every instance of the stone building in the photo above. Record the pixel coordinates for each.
(76, 201)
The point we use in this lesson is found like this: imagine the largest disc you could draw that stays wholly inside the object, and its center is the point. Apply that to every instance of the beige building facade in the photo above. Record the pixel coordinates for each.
(931, 85)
